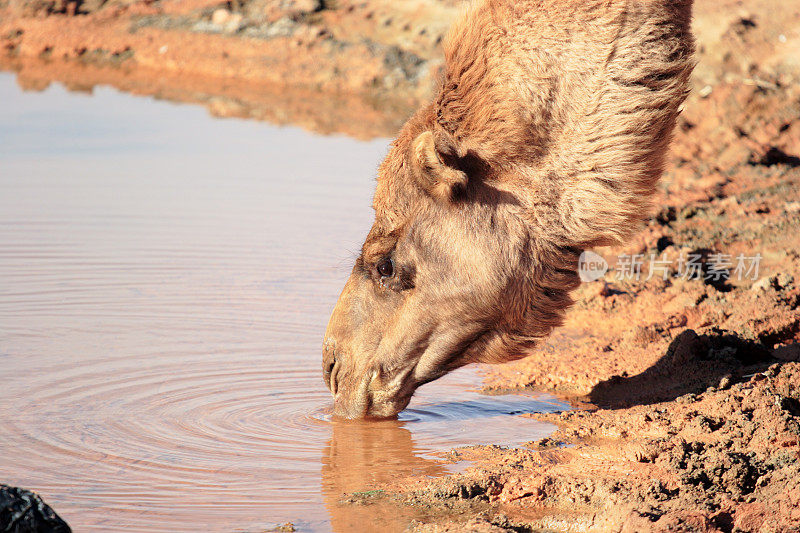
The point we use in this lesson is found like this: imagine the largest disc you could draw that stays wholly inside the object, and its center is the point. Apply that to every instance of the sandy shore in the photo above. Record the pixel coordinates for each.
(688, 388)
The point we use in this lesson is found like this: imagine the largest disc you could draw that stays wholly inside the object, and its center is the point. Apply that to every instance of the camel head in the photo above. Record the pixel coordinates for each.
(456, 278)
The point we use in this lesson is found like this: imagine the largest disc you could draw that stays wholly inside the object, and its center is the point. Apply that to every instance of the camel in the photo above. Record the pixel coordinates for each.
(546, 137)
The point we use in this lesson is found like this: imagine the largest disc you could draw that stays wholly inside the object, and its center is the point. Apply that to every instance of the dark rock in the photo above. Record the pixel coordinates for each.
(22, 511)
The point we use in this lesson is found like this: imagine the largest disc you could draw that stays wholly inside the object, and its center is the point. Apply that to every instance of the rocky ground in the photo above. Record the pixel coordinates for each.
(688, 385)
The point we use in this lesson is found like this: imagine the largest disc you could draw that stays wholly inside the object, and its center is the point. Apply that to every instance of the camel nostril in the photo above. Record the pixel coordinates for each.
(326, 372)
(328, 363)
(332, 385)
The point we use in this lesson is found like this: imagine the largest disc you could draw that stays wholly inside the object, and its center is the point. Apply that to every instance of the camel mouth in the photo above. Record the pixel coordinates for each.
(343, 417)
(365, 403)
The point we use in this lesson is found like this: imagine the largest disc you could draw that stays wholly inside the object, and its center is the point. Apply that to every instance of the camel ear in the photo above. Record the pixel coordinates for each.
(431, 169)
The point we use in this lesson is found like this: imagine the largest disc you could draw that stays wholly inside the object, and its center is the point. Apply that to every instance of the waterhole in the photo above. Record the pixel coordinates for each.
(165, 281)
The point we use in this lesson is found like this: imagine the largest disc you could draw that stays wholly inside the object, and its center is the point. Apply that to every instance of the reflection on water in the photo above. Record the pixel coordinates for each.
(357, 116)
(362, 455)
(165, 280)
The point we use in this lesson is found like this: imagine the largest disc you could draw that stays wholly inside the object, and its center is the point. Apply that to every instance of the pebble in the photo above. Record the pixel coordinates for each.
(220, 16)
(762, 285)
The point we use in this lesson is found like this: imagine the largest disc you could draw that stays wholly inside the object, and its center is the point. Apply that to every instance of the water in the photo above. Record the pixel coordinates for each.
(165, 281)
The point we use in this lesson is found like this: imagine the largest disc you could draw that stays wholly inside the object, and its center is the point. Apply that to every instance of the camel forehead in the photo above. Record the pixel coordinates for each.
(396, 203)
(380, 241)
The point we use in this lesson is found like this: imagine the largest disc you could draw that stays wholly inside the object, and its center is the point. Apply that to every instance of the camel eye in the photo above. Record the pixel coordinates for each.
(386, 268)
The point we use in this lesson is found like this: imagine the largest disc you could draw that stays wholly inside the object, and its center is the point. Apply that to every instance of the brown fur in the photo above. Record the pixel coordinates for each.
(547, 137)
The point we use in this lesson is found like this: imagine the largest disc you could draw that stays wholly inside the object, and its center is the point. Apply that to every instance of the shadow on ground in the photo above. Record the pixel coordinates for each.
(691, 364)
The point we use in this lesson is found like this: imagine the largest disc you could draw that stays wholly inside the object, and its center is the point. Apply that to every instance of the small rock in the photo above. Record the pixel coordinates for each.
(22, 511)
(205, 26)
(750, 516)
(283, 27)
(645, 453)
(706, 91)
(303, 6)
(762, 285)
(687, 398)
(777, 281)
(773, 370)
(288, 527)
(784, 280)
(220, 16)
(684, 347)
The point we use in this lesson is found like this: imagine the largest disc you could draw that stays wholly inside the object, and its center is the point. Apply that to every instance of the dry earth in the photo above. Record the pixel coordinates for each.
(688, 388)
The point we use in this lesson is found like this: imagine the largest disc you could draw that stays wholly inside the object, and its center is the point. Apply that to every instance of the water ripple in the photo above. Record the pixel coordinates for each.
(160, 329)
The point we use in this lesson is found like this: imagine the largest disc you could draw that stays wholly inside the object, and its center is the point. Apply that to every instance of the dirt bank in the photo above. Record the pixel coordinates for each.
(717, 460)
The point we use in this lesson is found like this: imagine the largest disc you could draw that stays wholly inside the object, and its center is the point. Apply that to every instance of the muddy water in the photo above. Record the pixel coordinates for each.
(165, 280)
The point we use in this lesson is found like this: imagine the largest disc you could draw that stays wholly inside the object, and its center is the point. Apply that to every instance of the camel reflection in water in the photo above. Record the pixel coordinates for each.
(365, 455)
(361, 455)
